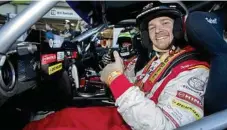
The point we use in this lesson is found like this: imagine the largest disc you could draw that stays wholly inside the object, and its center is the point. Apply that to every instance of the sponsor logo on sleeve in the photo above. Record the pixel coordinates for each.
(186, 107)
(48, 58)
(188, 97)
(54, 68)
(196, 83)
(192, 90)
(186, 66)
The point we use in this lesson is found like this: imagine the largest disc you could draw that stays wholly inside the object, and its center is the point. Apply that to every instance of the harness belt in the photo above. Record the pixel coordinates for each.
(171, 64)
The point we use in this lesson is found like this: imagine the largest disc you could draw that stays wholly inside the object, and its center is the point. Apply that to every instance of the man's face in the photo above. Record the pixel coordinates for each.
(161, 32)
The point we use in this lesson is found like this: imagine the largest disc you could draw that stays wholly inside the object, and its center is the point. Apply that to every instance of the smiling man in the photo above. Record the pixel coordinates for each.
(167, 94)
(160, 33)
(169, 90)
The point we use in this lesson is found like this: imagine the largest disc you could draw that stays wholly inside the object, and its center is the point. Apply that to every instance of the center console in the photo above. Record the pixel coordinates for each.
(64, 64)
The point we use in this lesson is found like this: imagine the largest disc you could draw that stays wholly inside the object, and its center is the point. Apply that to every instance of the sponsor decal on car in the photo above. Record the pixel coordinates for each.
(74, 54)
(54, 68)
(69, 54)
(48, 58)
(60, 56)
(185, 106)
(188, 97)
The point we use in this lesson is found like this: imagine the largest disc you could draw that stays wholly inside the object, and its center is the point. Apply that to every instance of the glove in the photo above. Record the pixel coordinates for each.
(113, 70)
(106, 59)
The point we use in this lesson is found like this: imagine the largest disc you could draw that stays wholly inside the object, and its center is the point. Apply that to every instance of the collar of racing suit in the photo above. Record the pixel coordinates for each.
(164, 55)
(159, 50)
(156, 60)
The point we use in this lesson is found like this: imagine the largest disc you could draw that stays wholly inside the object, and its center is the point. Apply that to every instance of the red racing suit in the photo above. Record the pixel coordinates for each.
(172, 102)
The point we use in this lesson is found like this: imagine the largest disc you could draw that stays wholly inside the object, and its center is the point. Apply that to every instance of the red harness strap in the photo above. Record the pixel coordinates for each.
(158, 72)
(184, 66)
(146, 69)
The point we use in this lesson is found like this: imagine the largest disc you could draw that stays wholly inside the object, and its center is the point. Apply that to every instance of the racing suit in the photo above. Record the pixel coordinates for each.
(130, 68)
(174, 101)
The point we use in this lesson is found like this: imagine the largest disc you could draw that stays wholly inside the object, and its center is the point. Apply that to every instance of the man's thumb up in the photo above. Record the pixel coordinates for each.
(114, 68)
(118, 59)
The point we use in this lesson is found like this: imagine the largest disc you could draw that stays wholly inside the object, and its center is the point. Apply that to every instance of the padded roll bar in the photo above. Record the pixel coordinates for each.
(217, 121)
(200, 6)
(89, 33)
(12, 30)
(3, 2)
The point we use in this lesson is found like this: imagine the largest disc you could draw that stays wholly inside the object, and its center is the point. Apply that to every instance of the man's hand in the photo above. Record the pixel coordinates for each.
(106, 59)
(113, 70)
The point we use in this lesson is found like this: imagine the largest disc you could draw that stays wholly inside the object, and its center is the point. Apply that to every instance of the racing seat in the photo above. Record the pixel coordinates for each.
(142, 53)
(205, 32)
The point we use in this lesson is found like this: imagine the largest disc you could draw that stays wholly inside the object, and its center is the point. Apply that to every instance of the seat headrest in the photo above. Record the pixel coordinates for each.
(205, 30)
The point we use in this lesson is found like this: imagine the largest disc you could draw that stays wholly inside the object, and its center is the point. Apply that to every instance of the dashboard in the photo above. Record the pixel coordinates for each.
(31, 62)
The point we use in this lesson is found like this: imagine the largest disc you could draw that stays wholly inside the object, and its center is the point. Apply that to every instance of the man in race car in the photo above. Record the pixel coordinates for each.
(168, 93)
(160, 99)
